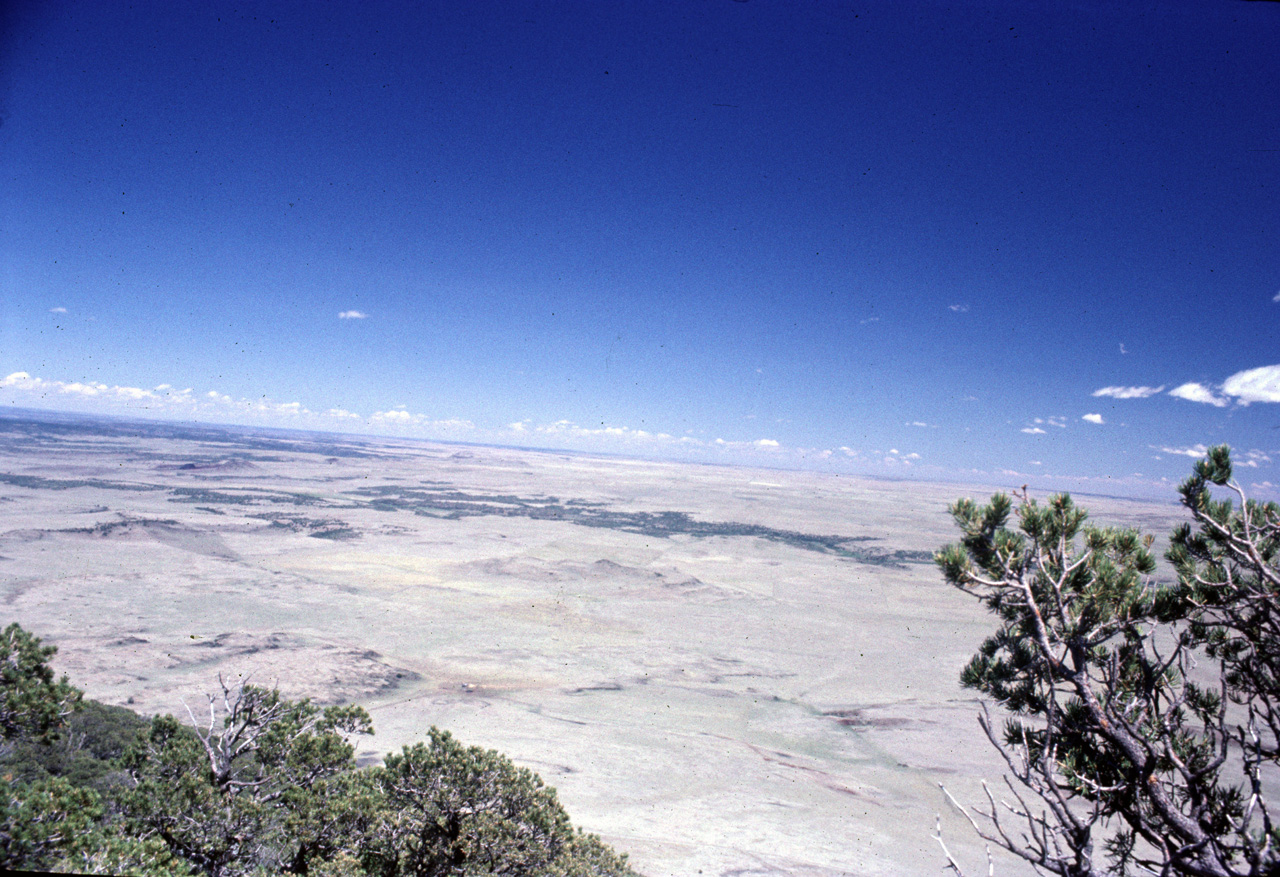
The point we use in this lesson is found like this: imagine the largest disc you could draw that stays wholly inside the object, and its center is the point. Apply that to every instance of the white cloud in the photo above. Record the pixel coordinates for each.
(395, 415)
(918, 423)
(868, 320)
(1128, 392)
(400, 418)
(212, 405)
(1196, 451)
(1033, 430)
(959, 309)
(57, 310)
(453, 424)
(1194, 392)
(571, 430)
(352, 315)
(1255, 385)
(1252, 385)
(1252, 459)
(1276, 297)
(86, 390)
(765, 443)
(1122, 350)
(1093, 418)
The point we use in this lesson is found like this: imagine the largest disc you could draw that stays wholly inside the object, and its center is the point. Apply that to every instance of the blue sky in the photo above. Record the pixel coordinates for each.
(1009, 242)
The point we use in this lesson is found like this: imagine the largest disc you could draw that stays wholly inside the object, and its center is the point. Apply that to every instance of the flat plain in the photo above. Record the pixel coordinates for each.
(722, 671)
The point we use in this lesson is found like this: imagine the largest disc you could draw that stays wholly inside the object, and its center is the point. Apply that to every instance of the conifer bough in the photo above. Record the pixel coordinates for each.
(1143, 716)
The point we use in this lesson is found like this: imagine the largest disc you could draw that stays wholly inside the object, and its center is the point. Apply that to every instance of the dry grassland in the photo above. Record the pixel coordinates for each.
(721, 670)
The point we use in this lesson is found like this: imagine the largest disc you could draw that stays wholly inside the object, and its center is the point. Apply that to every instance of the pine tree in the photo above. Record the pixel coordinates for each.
(1143, 718)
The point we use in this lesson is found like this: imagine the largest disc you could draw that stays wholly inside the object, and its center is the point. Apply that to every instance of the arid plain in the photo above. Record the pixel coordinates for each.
(721, 670)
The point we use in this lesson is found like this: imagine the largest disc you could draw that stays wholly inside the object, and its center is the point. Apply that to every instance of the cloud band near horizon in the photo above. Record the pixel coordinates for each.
(164, 400)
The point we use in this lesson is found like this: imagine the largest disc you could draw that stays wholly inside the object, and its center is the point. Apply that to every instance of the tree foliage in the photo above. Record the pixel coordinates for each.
(225, 795)
(454, 809)
(32, 704)
(1143, 716)
(85, 751)
(59, 755)
(262, 785)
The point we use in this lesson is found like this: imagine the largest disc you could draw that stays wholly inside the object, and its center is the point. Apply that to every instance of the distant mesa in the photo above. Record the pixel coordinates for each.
(859, 720)
(227, 465)
(167, 531)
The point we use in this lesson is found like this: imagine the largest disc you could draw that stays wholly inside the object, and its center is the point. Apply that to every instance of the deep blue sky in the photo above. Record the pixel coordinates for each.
(895, 238)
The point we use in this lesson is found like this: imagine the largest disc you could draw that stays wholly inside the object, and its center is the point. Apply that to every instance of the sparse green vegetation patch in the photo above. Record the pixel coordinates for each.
(37, 482)
(245, 496)
(336, 533)
(453, 504)
(317, 528)
(107, 528)
(200, 494)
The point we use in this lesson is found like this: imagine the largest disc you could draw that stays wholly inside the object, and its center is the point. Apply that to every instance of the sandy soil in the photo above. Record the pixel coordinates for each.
(731, 699)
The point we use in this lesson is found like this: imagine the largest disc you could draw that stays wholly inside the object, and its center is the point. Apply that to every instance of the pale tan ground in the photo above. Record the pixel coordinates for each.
(711, 705)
